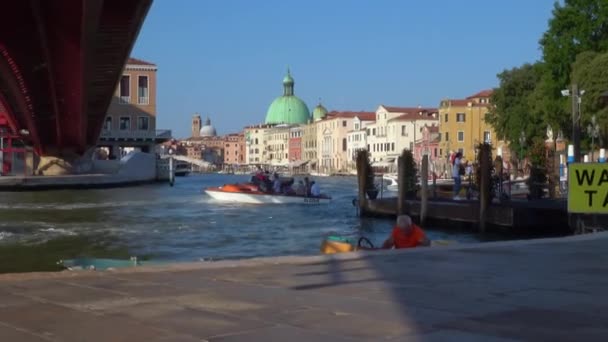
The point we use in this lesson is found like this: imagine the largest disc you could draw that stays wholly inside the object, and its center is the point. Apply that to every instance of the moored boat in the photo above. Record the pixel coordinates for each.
(250, 193)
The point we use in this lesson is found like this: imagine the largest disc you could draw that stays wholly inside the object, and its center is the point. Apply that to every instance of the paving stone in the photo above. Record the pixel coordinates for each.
(540, 290)
(9, 299)
(61, 292)
(133, 288)
(190, 321)
(280, 334)
(9, 334)
(64, 324)
(361, 325)
(455, 335)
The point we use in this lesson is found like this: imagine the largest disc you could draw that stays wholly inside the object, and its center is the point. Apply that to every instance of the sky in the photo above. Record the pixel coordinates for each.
(226, 59)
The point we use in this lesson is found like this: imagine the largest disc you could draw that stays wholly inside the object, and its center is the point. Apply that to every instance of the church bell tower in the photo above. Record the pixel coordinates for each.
(196, 126)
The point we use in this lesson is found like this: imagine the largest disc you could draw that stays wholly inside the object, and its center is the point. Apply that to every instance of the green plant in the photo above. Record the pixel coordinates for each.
(538, 172)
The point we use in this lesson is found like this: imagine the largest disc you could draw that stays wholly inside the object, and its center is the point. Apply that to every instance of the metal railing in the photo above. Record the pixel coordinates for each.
(143, 100)
(128, 134)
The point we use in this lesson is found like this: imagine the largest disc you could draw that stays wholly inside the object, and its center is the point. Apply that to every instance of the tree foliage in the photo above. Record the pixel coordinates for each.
(576, 26)
(529, 97)
(590, 72)
(513, 110)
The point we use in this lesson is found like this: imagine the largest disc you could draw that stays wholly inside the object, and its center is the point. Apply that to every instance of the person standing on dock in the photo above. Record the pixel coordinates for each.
(456, 174)
(406, 234)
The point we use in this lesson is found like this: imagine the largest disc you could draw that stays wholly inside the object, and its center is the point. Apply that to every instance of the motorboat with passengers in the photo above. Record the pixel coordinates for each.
(259, 191)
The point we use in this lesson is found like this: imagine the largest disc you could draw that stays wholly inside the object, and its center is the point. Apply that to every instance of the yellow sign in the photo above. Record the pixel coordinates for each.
(588, 188)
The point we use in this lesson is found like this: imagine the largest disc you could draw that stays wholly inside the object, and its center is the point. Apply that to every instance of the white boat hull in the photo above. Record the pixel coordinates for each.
(237, 197)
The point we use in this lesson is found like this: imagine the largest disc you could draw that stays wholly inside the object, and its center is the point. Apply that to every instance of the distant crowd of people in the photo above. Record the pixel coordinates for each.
(274, 184)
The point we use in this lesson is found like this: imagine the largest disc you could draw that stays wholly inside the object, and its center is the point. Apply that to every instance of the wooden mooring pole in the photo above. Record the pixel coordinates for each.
(424, 190)
(362, 178)
(484, 186)
(401, 193)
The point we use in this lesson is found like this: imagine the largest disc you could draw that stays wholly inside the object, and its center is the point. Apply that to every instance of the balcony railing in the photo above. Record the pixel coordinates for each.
(143, 100)
(128, 134)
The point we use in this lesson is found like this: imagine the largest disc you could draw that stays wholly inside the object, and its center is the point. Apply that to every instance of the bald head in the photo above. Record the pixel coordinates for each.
(404, 222)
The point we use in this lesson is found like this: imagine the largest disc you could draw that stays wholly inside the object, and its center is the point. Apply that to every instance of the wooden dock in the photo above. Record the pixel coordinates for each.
(536, 215)
(435, 206)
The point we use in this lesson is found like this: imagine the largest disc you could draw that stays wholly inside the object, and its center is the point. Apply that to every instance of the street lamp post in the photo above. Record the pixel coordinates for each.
(594, 131)
(577, 96)
(522, 142)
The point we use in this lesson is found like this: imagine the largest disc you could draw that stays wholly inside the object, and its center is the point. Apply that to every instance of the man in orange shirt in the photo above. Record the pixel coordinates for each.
(406, 234)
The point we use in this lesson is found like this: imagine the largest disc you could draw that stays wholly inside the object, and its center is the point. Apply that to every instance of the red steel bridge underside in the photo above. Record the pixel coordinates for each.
(60, 62)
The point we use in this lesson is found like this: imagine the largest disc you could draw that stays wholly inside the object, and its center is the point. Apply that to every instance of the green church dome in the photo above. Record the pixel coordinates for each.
(287, 109)
(319, 112)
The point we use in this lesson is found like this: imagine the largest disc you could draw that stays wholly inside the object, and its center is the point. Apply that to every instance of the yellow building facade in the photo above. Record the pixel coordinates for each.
(462, 125)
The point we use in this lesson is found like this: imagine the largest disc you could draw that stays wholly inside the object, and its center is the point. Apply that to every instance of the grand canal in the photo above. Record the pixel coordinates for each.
(181, 223)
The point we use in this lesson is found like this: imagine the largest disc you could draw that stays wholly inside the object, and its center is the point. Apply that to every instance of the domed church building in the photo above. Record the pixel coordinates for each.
(207, 130)
(288, 109)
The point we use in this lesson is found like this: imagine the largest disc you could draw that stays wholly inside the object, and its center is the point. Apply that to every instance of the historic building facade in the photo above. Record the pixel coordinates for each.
(130, 123)
(357, 138)
(234, 149)
(396, 129)
(462, 125)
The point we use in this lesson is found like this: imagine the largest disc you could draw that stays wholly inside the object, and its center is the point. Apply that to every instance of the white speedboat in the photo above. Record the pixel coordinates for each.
(390, 182)
(249, 193)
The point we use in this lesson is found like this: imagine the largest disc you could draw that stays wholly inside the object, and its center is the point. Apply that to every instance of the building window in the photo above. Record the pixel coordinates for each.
(142, 90)
(356, 127)
(487, 137)
(125, 123)
(344, 144)
(460, 117)
(393, 147)
(374, 131)
(440, 151)
(445, 117)
(143, 123)
(435, 152)
(344, 123)
(125, 89)
(447, 136)
(403, 131)
(107, 125)
(460, 136)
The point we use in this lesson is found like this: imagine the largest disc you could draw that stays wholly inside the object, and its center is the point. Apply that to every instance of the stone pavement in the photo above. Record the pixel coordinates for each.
(552, 290)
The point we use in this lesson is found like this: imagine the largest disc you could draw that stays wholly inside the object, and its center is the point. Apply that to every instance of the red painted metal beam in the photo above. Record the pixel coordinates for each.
(9, 115)
(117, 13)
(18, 90)
(91, 17)
(44, 45)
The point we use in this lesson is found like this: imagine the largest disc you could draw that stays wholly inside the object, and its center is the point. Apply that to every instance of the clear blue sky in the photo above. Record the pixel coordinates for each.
(226, 59)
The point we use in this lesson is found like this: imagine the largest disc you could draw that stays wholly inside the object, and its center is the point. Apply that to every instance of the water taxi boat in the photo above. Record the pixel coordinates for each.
(182, 169)
(250, 193)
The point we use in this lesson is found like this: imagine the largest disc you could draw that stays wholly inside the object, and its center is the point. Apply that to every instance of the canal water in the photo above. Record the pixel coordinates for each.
(181, 223)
